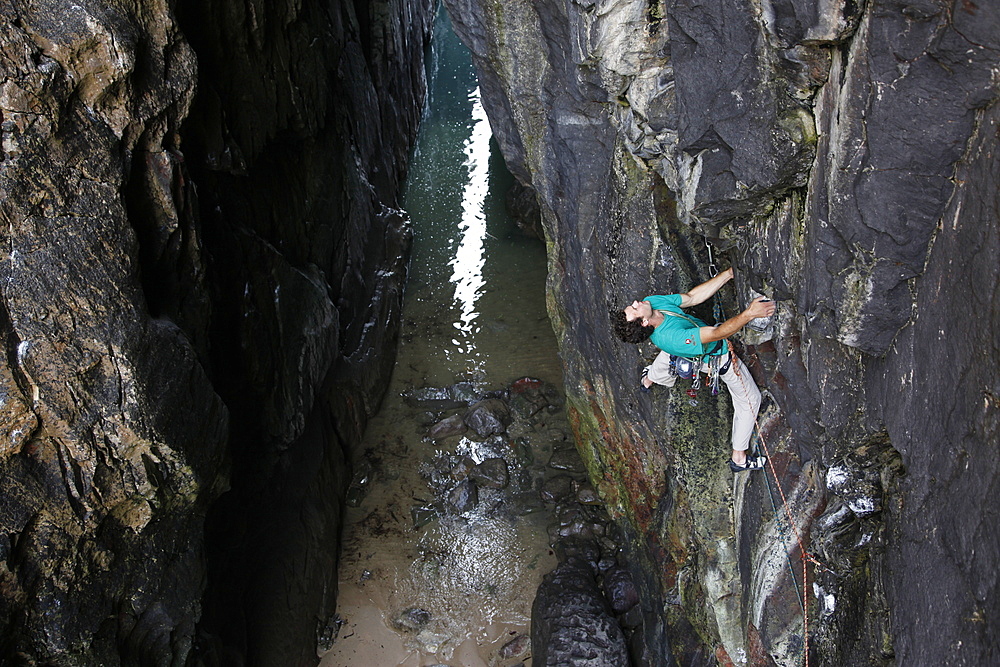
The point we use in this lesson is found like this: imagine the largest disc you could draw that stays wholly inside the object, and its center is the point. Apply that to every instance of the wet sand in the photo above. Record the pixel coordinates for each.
(474, 573)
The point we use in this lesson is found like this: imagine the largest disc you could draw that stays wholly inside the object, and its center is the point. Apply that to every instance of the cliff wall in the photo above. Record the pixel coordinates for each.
(843, 157)
(204, 270)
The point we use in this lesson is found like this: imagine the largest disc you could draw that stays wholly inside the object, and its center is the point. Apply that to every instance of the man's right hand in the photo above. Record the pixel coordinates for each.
(760, 307)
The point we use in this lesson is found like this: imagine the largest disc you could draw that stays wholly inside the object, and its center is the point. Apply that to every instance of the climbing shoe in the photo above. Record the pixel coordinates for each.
(753, 463)
(642, 376)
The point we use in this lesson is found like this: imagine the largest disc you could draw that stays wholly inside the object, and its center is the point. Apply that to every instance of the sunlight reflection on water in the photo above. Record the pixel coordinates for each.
(469, 259)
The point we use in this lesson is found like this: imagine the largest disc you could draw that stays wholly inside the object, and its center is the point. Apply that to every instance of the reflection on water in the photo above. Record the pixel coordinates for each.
(470, 258)
(474, 310)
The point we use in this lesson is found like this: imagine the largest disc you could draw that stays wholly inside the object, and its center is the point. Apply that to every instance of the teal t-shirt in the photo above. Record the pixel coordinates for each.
(678, 335)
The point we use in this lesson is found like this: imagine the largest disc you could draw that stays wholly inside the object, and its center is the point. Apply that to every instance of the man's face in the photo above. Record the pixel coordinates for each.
(638, 310)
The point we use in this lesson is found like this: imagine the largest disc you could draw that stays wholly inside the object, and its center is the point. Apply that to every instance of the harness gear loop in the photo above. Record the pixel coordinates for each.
(712, 358)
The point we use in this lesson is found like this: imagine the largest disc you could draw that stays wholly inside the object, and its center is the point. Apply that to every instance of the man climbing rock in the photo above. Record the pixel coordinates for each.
(661, 319)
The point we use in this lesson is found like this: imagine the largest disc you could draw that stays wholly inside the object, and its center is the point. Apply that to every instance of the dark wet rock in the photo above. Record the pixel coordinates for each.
(494, 446)
(608, 560)
(567, 514)
(463, 468)
(515, 648)
(632, 618)
(423, 514)
(183, 317)
(620, 590)
(447, 427)
(426, 418)
(571, 623)
(556, 435)
(488, 417)
(527, 404)
(464, 497)
(523, 453)
(587, 495)
(497, 394)
(522, 207)
(466, 392)
(566, 458)
(412, 619)
(360, 482)
(582, 550)
(529, 396)
(432, 398)
(491, 474)
(578, 529)
(327, 633)
(556, 488)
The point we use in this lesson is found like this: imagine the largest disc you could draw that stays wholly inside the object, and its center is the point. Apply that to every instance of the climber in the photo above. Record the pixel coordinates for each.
(661, 319)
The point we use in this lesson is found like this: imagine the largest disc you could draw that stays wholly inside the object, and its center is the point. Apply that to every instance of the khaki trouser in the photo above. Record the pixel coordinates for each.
(742, 389)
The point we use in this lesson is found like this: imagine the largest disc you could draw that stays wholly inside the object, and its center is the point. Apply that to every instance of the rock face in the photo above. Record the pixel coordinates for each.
(199, 306)
(843, 158)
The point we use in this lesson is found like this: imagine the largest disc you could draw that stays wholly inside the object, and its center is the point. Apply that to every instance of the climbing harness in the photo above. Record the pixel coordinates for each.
(689, 368)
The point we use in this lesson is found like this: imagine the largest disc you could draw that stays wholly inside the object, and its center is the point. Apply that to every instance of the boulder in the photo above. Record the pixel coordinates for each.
(488, 417)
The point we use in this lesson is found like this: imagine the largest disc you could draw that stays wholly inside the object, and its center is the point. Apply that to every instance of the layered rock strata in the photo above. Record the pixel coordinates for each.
(843, 158)
(200, 295)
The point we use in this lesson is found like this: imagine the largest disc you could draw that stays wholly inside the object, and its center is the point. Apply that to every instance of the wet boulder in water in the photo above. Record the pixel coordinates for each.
(515, 647)
(571, 623)
(491, 474)
(587, 495)
(556, 488)
(449, 426)
(465, 392)
(488, 417)
(464, 497)
(463, 468)
(528, 397)
(432, 398)
(566, 458)
(423, 514)
(620, 590)
(412, 619)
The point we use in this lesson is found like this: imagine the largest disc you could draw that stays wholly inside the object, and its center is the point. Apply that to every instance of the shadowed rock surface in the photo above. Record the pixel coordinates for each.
(199, 307)
(843, 158)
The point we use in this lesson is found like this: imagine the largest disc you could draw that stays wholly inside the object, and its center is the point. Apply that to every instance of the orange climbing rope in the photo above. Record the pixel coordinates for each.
(806, 557)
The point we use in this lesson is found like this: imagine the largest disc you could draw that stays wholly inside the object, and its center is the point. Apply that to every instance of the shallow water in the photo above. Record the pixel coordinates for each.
(474, 311)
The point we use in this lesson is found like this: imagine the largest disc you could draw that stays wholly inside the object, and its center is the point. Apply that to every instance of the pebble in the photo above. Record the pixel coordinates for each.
(491, 474)
(464, 497)
(412, 619)
(566, 459)
(451, 425)
(515, 647)
(556, 488)
(587, 495)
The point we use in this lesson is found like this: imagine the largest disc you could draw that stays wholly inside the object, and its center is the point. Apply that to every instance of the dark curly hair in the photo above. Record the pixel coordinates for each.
(630, 332)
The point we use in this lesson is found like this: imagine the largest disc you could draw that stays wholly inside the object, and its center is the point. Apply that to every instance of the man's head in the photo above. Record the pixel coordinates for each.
(631, 324)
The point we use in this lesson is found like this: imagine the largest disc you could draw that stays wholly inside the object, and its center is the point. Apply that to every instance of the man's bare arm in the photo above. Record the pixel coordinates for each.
(704, 291)
(759, 307)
